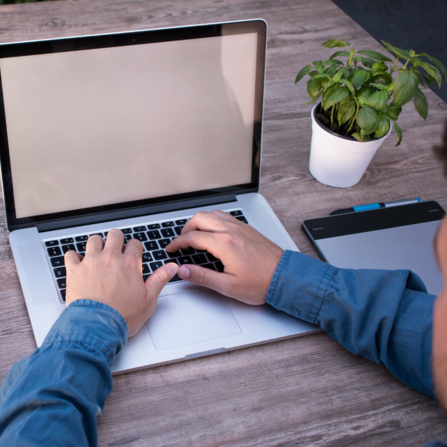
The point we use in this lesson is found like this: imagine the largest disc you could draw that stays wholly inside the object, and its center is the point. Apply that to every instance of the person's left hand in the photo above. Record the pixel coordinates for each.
(114, 277)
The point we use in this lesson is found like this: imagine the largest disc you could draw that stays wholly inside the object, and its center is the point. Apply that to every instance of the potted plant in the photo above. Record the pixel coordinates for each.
(360, 102)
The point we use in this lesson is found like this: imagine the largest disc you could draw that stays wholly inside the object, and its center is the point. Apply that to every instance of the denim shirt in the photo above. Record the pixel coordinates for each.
(54, 396)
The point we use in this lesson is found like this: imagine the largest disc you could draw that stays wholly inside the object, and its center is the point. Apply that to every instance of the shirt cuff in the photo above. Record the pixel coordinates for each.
(91, 324)
(299, 285)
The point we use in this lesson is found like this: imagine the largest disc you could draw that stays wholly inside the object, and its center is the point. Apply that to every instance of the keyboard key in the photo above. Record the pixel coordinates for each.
(139, 229)
(153, 226)
(174, 254)
(81, 246)
(159, 255)
(154, 235)
(178, 230)
(147, 257)
(188, 251)
(211, 257)
(151, 245)
(81, 238)
(242, 219)
(62, 283)
(126, 230)
(167, 232)
(127, 238)
(219, 266)
(67, 240)
(68, 247)
(82, 254)
(155, 265)
(54, 251)
(145, 277)
(51, 243)
(60, 272)
(146, 269)
(57, 261)
(96, 234)
(199, 259)
(140, 236)
(164, 242)
(236, 213)
(170, 260)
(167, 224)
(181, 221)
(184, 260)
(63, 294)
(209, 266)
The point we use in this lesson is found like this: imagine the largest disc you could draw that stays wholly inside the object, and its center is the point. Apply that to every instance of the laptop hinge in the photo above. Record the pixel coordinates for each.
(134, 212)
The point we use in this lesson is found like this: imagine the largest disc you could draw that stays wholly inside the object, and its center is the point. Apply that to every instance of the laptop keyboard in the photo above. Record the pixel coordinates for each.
(154, 236)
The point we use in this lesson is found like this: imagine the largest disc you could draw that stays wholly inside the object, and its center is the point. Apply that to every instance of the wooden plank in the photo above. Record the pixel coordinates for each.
(305, 391)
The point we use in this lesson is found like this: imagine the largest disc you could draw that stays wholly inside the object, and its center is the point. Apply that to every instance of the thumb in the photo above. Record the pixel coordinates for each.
(220, 282)
(160, 278)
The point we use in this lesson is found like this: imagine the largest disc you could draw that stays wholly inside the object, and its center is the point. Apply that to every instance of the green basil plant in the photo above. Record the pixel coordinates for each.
(360, 98)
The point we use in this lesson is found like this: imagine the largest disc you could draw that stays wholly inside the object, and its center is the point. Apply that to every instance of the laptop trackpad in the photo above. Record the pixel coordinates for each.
(191, 317)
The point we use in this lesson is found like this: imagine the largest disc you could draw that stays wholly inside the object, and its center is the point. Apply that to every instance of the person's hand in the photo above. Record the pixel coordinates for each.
(113, 277)
(249, 258)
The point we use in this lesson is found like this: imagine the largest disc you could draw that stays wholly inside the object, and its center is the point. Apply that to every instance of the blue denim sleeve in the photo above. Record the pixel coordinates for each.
(54, 396)
(385, 316)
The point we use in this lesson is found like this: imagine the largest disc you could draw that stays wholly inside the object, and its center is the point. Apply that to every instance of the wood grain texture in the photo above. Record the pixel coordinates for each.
(304, 391)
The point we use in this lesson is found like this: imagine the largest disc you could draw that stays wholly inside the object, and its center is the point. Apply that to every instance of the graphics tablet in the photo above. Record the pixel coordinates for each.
(388, 238)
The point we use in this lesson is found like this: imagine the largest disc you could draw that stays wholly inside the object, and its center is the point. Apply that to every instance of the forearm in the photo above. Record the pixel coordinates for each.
(385, 316)
(54, 396)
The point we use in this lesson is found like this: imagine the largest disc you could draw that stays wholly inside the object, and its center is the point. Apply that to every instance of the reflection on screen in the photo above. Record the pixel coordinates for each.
(98, 127)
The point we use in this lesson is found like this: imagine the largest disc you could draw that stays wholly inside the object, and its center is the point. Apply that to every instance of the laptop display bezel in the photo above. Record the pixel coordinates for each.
(123, 39)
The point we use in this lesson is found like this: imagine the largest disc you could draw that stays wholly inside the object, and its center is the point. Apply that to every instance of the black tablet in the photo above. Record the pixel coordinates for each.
(400, 237)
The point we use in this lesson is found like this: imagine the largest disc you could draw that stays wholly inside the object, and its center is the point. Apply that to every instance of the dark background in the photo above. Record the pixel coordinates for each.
(408, 24)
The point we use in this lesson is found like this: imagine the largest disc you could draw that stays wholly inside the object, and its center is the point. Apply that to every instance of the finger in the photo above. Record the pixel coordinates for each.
(72, 258)
(160, 278)
(225, 216)
(95, 243)
(220, 282)
(197, 239)
(115, 241)
(205, 222)
(134, 248)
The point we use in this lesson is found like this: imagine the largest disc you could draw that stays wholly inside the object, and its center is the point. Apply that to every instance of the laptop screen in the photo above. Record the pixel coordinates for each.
(93, 128)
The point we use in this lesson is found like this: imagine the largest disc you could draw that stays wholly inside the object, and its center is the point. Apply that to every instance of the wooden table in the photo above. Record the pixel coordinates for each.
(304, 391)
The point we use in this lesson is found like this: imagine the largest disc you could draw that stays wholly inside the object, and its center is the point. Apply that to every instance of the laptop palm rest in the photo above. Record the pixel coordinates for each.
(189, 317)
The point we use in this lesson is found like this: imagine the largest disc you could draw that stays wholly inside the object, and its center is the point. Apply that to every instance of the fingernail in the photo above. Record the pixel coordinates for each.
(184, 272)
(172, 270)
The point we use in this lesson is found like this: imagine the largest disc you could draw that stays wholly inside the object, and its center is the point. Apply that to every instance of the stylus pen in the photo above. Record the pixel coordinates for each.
(375, 206)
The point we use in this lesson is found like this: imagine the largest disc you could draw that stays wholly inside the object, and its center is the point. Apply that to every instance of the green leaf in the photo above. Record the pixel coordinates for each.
(420, 102)
(381, 87)
(375, 55)
(340, 53)
(314, 86)
(422, 80)
(393, 112)
(367, 62)
(399, 133)
(330, 71)
(348, 84)
(303, 73)
(333, 62)
(437, 63)
(367, 119)
(378, 100)
(359, 77)
(404, 54)
(405, 88)
(337, 76)
(383, 127)
(379, 66)
(313, 73)
(345, 112)
(382, 76)
(314, 99)
(432, 71)
(335, 96)
(334, 43)
(365, 92)
(360, 137)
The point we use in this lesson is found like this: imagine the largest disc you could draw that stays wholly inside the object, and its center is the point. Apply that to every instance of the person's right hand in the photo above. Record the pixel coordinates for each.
(250, 259)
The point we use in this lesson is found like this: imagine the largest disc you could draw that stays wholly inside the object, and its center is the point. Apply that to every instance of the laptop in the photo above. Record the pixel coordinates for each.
(138, 131)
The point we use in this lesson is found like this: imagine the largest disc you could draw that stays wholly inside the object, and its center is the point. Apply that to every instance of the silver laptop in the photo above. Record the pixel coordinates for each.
(138, 131)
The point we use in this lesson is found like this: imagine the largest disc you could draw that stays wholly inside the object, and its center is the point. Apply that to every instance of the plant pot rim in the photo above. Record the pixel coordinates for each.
(335, 134)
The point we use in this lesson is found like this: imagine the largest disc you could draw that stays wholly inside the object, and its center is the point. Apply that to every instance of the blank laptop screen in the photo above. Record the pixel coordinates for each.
(102, 126)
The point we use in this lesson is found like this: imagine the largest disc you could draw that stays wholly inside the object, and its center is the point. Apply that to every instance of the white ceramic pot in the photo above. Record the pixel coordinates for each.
(339, 161)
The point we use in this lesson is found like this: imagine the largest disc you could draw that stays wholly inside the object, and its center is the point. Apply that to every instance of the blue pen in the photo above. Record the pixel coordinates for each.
(375, 206)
